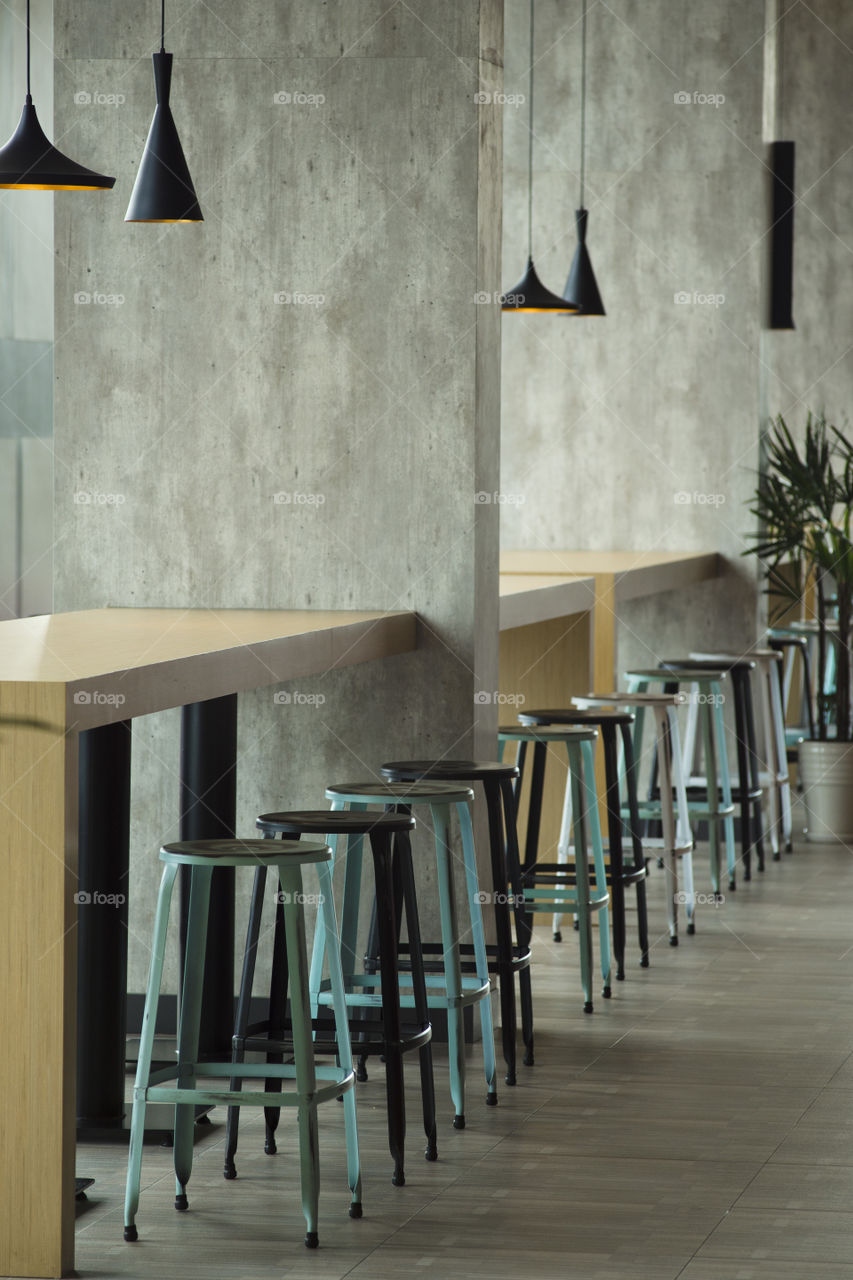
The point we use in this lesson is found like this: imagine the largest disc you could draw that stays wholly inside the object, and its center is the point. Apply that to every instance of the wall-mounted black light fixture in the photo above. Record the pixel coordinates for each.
(581, 287)
(163, 191)
(30, 162)
(530, 294)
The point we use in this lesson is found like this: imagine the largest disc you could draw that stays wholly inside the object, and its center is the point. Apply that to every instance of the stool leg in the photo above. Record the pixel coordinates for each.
(386, 918)
(238, 1044)
(452, 967)
(146, 1048)
(581, 873)
(339, 1005)
(188, 1031)
(523, 930)
(630, 773)
(480, 956)
(303, 1048)
(591, 800)
(503, 931)
(276, 1020)
(403, 856)
(614, 830)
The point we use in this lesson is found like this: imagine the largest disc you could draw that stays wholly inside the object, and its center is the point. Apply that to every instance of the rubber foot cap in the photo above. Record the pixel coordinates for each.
(458, 1122)
(558, 937)
(510, 1080)
(588, 1007)
(644, 963)
(620, 977)
(673, 942)
(131, 1235)
(431, 1153)
(607, 993)
(312, 1240)
(491, 1099)
(181, 1204)
(398, 1179)
(229, 1173)
(270, 1149)
(691, 928)
(361, 1073)
(528, 1058)
(777, 856)
(355, 1211)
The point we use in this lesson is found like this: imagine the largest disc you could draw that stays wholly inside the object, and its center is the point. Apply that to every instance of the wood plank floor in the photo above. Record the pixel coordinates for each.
(697, 1125)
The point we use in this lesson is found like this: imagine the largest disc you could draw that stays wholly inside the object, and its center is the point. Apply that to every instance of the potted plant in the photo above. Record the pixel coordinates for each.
(803, 503)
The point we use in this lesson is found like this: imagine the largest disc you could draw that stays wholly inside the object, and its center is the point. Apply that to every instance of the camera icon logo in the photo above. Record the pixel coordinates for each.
(482, 99)
(82, 698)
(82, 898)
(282, 698)
(681, 99)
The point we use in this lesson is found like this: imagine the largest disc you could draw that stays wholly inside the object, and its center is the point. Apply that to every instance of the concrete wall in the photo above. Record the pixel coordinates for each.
(640, 429)
(26, 334)
(192, 394)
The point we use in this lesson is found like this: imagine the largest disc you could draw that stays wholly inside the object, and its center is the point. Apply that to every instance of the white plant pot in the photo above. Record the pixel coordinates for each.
(826, 772)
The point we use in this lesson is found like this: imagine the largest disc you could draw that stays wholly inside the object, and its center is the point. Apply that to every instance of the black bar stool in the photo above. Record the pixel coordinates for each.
(388, 834)
(506, 959)
(620, 874)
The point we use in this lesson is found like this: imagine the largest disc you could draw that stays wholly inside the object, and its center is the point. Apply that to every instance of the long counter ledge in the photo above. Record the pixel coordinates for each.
(527, 598)
(160, 658)
(635, 573)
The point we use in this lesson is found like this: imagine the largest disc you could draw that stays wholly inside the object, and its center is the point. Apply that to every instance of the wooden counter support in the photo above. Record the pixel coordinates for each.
(71, 672)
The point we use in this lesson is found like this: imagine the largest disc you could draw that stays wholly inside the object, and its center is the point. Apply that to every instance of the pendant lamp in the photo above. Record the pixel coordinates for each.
(530, 294)
(30, 162)
(163, 191)
(581, 287)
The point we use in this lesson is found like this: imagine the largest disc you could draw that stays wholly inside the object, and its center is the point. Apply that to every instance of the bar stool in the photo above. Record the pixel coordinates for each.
(792, 646)
(447, 986)
(773, 760)
(705, 803)
(394, 880)
(552, 886)
(506, 959)
(288, 858)
(746, 786)
(620, 874)
(671, 810)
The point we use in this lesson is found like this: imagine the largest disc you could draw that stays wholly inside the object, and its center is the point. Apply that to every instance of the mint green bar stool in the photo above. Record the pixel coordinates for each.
(447, 986)
(560, 886)
(190, 1075)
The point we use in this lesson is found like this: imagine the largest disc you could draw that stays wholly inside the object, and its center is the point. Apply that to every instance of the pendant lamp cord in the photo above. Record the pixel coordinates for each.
(29, 96)
(583, 97)
(162, 25)
(530, 144)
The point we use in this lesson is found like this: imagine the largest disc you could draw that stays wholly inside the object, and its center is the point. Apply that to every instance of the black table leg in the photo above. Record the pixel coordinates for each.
(208, 812)
(104, 844)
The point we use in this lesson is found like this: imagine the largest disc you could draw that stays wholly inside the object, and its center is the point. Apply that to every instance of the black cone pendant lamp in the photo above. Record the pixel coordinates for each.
(530, 294)
(30, 162)
(581, 287)
(163, 191)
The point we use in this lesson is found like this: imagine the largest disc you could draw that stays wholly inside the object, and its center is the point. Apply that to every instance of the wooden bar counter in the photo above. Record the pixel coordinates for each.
(59, 675)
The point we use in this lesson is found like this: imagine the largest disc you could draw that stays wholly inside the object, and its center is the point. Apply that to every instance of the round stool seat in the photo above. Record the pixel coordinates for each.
(518, 733)
(624, 699)
(400, 792)
(449, 770)
(341, 822)
(677, 674)
(243, 853)
(574, 716)
(715, 662)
